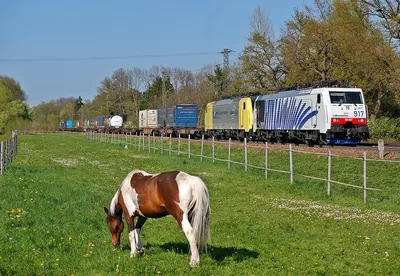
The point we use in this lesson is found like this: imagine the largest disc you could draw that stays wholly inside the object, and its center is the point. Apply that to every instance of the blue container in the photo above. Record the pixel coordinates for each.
(71, 123)
(102, 121)
(63, 124)
(161, 117)
(182, 116)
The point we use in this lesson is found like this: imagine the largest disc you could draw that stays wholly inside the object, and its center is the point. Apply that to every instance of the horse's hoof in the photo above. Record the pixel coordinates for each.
(194, 263)
(133, 254)
(143, 252)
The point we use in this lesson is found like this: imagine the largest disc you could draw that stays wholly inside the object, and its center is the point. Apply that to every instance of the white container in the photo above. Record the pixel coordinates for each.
(148, 118)
(116, 121)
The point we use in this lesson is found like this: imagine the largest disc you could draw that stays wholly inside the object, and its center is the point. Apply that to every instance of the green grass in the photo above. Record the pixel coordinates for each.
(52, 220)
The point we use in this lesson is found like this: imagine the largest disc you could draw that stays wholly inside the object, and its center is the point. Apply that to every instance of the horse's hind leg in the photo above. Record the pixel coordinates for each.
(182, 219)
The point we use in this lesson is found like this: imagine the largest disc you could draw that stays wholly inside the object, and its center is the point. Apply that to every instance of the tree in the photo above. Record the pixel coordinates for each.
(308, 45)
(12, 103)
(261, 57)
(220, 81)
(388, 11)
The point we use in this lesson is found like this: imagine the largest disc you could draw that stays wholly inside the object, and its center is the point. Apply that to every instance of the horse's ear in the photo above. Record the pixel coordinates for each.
(106, 210)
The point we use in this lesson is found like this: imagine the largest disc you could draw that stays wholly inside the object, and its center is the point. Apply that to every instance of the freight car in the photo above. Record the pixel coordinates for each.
(174, 119)
(71, 125)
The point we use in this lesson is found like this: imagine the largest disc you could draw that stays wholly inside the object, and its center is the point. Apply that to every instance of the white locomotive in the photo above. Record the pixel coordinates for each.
(327, 114)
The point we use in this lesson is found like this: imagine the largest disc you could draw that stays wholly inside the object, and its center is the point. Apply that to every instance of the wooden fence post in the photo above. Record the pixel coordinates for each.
(143, 142)
(365, 177)
(170, 143)
(245, 154)
(266, 160)
(229, 153)
(329, 172)
(213, 150)
(162, 143)
(149, 142)
(179, 144)
(189, 146)
(2, 159)
(202, 147)
(291, 163)
(154, 142)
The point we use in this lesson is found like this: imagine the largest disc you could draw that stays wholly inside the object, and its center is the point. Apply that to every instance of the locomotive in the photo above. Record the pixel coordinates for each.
(315, 115)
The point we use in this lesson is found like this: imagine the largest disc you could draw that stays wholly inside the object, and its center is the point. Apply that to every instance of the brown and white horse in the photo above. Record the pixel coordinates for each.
(145, 195)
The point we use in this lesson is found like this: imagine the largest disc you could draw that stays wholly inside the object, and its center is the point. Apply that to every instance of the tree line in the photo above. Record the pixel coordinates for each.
(355, 42)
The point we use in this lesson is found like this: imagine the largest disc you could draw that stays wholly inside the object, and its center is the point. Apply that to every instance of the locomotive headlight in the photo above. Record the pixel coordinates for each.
(361, 120)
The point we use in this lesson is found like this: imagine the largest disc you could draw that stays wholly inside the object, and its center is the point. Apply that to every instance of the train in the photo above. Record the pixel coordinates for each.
(105, 123)
(316, 115)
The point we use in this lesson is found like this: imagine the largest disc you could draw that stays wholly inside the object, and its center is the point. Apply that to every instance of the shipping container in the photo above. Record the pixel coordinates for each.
(103, 121)
(71, 123)
(148, 118)
(161, 119)
(182, 116)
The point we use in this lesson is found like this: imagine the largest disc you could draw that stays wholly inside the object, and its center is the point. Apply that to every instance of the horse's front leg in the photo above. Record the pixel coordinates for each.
(132, 237)
(138, 228)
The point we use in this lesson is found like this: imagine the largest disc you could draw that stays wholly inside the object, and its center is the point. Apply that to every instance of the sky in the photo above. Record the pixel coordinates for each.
(45, 44)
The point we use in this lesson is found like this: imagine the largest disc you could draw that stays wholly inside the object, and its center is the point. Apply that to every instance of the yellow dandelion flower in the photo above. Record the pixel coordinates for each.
(19, 210)
(58, 259)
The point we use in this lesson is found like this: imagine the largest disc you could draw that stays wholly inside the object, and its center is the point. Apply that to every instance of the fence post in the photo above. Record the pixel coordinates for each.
(189, 146)
(139, 140)
(381, 148)
(2, 158)
(213, 150)
(162, 143)
(329, 172)
(202, 146)
(143, 142)
(170, 143)
(179, 144)
(291, 163)
(266, 160)
(149, 141)
(245, 154)
(365, 177)
(154, 142)
(229, 153)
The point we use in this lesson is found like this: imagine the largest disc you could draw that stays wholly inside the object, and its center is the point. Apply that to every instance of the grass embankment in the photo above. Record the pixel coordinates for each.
(53, 223)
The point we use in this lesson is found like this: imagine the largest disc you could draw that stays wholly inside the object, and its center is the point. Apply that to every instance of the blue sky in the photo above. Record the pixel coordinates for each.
(79, 29)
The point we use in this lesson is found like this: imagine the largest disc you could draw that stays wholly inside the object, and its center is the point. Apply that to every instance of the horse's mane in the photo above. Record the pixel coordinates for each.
(114, 203)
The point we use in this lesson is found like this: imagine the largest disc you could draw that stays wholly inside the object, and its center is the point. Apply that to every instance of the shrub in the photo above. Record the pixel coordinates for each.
(384, 128)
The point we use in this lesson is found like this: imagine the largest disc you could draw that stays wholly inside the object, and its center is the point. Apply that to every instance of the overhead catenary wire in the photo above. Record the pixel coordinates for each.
(100, 58)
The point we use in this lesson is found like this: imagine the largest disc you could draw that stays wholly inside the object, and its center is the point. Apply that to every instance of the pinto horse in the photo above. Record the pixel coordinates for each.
(145, 195)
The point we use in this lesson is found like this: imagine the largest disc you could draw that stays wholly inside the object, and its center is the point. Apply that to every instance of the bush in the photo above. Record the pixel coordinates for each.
(384, 128)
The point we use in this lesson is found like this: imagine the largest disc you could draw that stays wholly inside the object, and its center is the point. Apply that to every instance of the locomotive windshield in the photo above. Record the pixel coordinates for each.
(345, 97)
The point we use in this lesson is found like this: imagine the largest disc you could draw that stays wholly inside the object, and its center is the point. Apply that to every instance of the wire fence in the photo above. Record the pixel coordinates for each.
(8, 151)
(229, 153)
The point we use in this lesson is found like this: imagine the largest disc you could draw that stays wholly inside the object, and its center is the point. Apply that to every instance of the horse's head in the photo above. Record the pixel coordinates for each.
(116, 226)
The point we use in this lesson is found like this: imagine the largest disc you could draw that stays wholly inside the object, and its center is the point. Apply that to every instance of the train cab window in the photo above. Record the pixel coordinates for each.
(319, 98)
(345, 97)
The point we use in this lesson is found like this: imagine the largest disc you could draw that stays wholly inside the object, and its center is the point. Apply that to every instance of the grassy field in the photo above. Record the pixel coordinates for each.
(52, 220)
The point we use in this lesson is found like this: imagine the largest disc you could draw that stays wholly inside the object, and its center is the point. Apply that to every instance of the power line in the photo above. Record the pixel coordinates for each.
(65, 59)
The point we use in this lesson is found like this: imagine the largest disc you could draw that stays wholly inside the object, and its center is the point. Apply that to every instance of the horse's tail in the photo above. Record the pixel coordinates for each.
(199, 212)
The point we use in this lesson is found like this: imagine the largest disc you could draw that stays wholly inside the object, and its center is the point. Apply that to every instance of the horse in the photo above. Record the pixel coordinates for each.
(144, 195)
